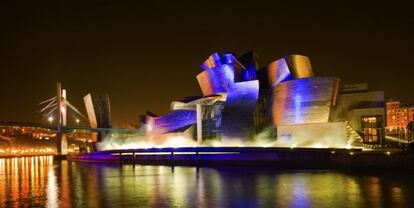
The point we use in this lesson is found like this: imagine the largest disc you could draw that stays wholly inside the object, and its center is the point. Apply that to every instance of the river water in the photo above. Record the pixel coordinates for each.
(40, 182)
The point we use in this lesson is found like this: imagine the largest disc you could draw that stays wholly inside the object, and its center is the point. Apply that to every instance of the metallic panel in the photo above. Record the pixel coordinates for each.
(102, 109)
(216, 80)
(227, 75)
(90, 111)
(250, 61)
(99, 112)
(288, 68)
(237, 68)
(303, 101)
(220, 72)
(170, 122)
(237, 120)
(214, 60)
(205, 83)
(278, 71)
(228, 58)
(299, 66)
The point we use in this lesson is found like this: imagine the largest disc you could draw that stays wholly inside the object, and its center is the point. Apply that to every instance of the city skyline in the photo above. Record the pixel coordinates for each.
(135, 55)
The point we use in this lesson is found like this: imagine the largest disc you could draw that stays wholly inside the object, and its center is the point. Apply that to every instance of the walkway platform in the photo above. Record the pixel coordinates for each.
(305, 158)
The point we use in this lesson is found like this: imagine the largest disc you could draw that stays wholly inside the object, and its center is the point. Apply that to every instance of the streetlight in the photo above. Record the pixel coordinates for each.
(50, 119)
(77, 121)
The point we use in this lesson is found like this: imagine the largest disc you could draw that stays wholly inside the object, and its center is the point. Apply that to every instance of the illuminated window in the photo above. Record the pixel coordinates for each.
(371, 128)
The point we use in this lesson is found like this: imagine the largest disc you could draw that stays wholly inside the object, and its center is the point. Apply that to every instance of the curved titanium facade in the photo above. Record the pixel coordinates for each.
(221, 72)
(175, 120)
(216, 80)
(278, 71)
(251, 64)
(237, 121)
(302, 101)
(299, 66)
(225, 74)
(205, 84)
(212, 61)
(239, 100)
(288, 68)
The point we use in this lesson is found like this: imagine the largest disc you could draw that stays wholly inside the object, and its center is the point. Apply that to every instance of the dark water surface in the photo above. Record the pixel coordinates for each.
(39, 182)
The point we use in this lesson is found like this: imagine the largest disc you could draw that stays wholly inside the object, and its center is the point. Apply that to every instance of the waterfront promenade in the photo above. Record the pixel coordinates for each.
(302, 158)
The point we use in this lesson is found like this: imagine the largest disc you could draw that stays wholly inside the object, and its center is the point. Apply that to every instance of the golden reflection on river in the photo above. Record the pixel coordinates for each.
(41, 182)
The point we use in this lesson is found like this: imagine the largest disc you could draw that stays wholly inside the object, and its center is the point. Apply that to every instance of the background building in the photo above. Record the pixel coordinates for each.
(398, 116)
(364, 111)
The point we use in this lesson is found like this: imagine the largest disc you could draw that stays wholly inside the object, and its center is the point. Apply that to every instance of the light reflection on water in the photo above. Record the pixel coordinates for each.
(38, 181)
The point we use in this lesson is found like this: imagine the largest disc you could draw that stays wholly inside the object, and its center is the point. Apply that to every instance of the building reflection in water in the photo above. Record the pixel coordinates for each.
(38, 181)
(52, 189)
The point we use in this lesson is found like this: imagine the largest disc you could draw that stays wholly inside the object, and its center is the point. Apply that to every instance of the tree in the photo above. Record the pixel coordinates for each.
(410, 129)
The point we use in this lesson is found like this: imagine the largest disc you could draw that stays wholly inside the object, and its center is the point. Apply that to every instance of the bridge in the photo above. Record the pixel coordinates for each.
(68, 128)
(28, 139)
(59, 105)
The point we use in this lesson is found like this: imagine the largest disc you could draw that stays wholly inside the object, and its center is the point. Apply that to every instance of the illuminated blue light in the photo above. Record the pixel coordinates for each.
(298, 108)
(249, 74)
(281, 71)
(172, 121)
(214, 60)
(228, 58)
(305, 100)
(238, 112)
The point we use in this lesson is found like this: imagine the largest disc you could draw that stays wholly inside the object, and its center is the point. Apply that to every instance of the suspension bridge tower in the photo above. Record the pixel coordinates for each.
(59, 106)
(61, 141)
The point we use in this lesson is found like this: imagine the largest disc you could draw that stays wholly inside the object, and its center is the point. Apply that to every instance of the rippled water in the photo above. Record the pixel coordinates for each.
(38, 182)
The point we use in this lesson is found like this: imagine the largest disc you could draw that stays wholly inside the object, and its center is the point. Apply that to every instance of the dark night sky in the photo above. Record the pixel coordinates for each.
(146, 55)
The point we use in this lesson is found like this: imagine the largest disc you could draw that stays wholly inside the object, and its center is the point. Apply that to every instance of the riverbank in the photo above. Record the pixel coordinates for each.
(28, 155)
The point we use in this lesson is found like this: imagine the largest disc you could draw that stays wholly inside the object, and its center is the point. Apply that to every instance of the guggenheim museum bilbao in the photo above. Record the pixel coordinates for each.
(283, 104)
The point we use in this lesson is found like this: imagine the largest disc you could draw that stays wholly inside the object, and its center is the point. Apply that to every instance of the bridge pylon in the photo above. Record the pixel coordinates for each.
(61, 141)
(59, 106)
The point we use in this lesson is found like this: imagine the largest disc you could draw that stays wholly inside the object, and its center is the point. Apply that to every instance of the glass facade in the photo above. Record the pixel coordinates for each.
(371, 128)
